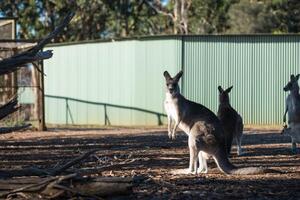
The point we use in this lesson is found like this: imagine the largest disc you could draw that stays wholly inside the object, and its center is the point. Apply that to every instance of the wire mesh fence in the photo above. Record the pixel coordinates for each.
(24, 83)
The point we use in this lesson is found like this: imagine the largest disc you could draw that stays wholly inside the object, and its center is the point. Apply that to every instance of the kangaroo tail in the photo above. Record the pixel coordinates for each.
(228, 168)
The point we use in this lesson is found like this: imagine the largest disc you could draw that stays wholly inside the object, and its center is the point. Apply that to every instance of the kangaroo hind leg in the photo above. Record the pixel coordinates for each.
(202, 163)
(193, 155)
(239, 137)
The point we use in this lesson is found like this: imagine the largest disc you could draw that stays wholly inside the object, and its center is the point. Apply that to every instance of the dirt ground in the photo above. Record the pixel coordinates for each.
(150, 157)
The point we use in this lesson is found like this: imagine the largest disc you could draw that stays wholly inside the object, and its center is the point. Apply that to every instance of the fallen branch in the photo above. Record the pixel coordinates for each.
(75, 192)
(104, 186)
(69, 185)
(45, 172)
(98, 170)
(31, 188)
(9, 108)
(71, 163)
(4, 130)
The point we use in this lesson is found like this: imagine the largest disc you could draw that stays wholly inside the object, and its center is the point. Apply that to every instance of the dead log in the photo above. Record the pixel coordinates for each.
(67, 186)
(104, 186)
(29, 188)
(4, 130)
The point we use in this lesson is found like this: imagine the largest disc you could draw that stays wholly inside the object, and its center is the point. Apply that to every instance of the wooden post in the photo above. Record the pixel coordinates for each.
(38, 81)
(14, 80)
(41, 98)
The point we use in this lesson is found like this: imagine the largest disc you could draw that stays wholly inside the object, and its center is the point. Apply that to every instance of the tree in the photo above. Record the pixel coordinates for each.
(287, 14)
(176, 12)
(247, 17)
(94, 18)
(270, 16)
(124, 18)
(36, 18)
(209, 16)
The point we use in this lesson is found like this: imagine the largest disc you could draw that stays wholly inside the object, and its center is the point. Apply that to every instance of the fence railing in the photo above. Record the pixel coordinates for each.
(105, 106)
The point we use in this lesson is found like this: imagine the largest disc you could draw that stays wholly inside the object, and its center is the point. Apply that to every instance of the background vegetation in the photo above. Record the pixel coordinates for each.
(123, 18)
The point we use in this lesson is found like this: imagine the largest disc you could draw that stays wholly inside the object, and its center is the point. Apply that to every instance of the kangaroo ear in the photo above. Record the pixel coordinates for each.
(167, 75)
(220, 89)
(178, 76)
(228, 89)
(292, 77)
(297, 77)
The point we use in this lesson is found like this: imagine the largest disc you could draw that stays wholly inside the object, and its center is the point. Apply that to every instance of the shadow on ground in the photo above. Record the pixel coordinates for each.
(154, 156)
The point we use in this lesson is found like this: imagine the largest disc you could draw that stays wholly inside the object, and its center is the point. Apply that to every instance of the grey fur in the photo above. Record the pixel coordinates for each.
(204, 130)
(292, 108)
(231, 121)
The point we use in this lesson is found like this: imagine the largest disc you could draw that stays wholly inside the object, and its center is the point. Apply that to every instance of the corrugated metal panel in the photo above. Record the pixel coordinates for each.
(129, 73)
(153, 57)
(126, 73)
(257, 66)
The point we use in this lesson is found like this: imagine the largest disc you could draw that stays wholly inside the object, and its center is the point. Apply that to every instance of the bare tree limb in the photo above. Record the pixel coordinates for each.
(9, 108)
(52, 35)
(15, 62)
(179, 15)
(158, 10)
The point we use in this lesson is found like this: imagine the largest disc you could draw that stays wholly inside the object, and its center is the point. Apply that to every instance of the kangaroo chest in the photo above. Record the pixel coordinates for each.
(174, 111)
(293, 109)
(171, 109)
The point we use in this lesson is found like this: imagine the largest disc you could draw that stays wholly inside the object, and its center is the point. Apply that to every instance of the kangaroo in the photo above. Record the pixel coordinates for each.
(204, 130)
(292, 108)
(231, 121)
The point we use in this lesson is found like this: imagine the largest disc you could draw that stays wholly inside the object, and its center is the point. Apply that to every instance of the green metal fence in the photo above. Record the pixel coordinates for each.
(258, 67)
(129, 74)
(123, 73)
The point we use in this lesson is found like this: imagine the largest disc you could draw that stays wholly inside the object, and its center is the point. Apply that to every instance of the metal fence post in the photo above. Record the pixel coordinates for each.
(67, 107)
(105, 120)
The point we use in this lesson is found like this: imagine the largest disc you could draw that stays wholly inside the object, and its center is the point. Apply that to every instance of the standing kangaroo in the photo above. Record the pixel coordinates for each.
(231, 121)
(204, 130)
(293, 109)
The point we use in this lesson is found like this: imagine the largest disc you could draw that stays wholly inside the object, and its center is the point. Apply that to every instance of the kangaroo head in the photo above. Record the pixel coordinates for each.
(172, 83)
(223, 94)
(292, 85)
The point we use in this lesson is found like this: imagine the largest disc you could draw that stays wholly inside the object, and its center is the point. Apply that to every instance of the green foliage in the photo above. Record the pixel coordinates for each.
(209, 16)
(271, 16)
(122, 18)
(94, 18)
